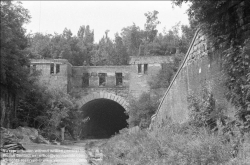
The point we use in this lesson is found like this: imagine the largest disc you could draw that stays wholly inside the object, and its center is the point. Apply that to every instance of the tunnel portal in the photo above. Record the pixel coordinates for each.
(107, 117)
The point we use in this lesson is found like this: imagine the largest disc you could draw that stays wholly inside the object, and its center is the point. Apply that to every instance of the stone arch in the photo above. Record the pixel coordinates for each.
(103, 95)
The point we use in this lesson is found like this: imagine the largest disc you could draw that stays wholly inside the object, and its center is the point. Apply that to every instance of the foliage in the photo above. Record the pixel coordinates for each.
(163, 78)
(194, 142)
(110, 53)
(203, 110)
(150, 25)
(48, 110)
(40, 47)
(148, 42)
(120, 57)
(224, 23)
(32, 105)
(76, 49)
(141, 110)
(132, 38)
(237, 64)
(219, 20)
(134, 148)
(103, 51)
(184, 144)
(81, 49)
(206, 114)
(173, 144)
(166, 74)
(187, 35)
(14, 71)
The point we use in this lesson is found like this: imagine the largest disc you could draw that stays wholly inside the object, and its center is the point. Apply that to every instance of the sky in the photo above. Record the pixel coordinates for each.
(49, 17)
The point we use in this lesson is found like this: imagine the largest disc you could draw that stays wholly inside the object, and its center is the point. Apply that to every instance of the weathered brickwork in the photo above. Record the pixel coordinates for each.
(53, 73)
(200, 68)
(117, 83)
(111, 86)
(150, 66)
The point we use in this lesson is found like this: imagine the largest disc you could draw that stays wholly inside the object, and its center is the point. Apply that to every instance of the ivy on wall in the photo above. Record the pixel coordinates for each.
(226, 23)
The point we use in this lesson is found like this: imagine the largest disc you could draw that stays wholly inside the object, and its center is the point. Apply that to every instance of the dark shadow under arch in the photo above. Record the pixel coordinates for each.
(107, 117)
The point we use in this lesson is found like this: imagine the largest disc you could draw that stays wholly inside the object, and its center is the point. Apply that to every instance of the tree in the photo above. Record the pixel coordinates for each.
(104, 52)
(48, 109)
(187, 34)
(40, 46)
(76, 49)
(163, 78)
(132, 37)
(223, 22)
(86, 44)
(151, 24)
(14, 62)
(120, 55)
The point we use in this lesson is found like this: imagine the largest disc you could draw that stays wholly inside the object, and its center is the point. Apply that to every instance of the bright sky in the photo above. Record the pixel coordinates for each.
(53, 16)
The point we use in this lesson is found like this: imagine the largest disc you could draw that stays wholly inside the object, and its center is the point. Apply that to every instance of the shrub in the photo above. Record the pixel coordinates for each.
(142, 109)
(163, 78)
(185, 144)
(199, 141)
(203, 110)
(131, 148)
(174, 144)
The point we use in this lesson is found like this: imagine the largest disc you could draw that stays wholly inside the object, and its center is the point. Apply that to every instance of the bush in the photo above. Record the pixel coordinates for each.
(203, 110)
(174, 144)
(184, 144)
(131, 148)
(49, 110)
(201, 140)
(163, 78)
(141, 110)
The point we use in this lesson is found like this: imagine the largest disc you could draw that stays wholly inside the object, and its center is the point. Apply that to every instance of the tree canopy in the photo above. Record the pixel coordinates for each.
(225, 23)
(132, 41)
(14, 62)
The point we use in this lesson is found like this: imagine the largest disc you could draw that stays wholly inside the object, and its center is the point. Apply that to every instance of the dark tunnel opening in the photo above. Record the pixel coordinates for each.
(107, 117)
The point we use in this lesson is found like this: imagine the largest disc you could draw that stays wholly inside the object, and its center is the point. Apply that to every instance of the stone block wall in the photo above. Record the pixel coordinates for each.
(139, 81)
(72, 79)
(199, 69)
(202, 66)
(78, 90)
(56, 79)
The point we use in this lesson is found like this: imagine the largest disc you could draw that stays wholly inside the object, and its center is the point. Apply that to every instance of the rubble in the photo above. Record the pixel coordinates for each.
(21, 135)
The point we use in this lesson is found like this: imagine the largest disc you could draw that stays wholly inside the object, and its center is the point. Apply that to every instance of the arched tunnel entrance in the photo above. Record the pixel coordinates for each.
(107, 117)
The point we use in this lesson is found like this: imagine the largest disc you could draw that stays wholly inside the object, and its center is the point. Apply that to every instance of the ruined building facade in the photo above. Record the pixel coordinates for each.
(102, 92)
(81, 81)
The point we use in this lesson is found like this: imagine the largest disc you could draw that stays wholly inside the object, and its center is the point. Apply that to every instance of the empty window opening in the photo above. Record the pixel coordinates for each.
(57, 68)
(102, 79)
(145, 68)
(118, 79)
(139, 68)
(85, 80)
(51, 68)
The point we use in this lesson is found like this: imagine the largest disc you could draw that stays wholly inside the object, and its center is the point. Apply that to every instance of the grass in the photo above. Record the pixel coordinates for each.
(174, 145)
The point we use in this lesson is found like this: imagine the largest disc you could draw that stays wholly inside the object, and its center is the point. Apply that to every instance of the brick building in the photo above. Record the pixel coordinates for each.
(102, 92)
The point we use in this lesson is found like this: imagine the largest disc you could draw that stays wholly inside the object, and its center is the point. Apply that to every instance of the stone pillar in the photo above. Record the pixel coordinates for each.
(62, 133)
